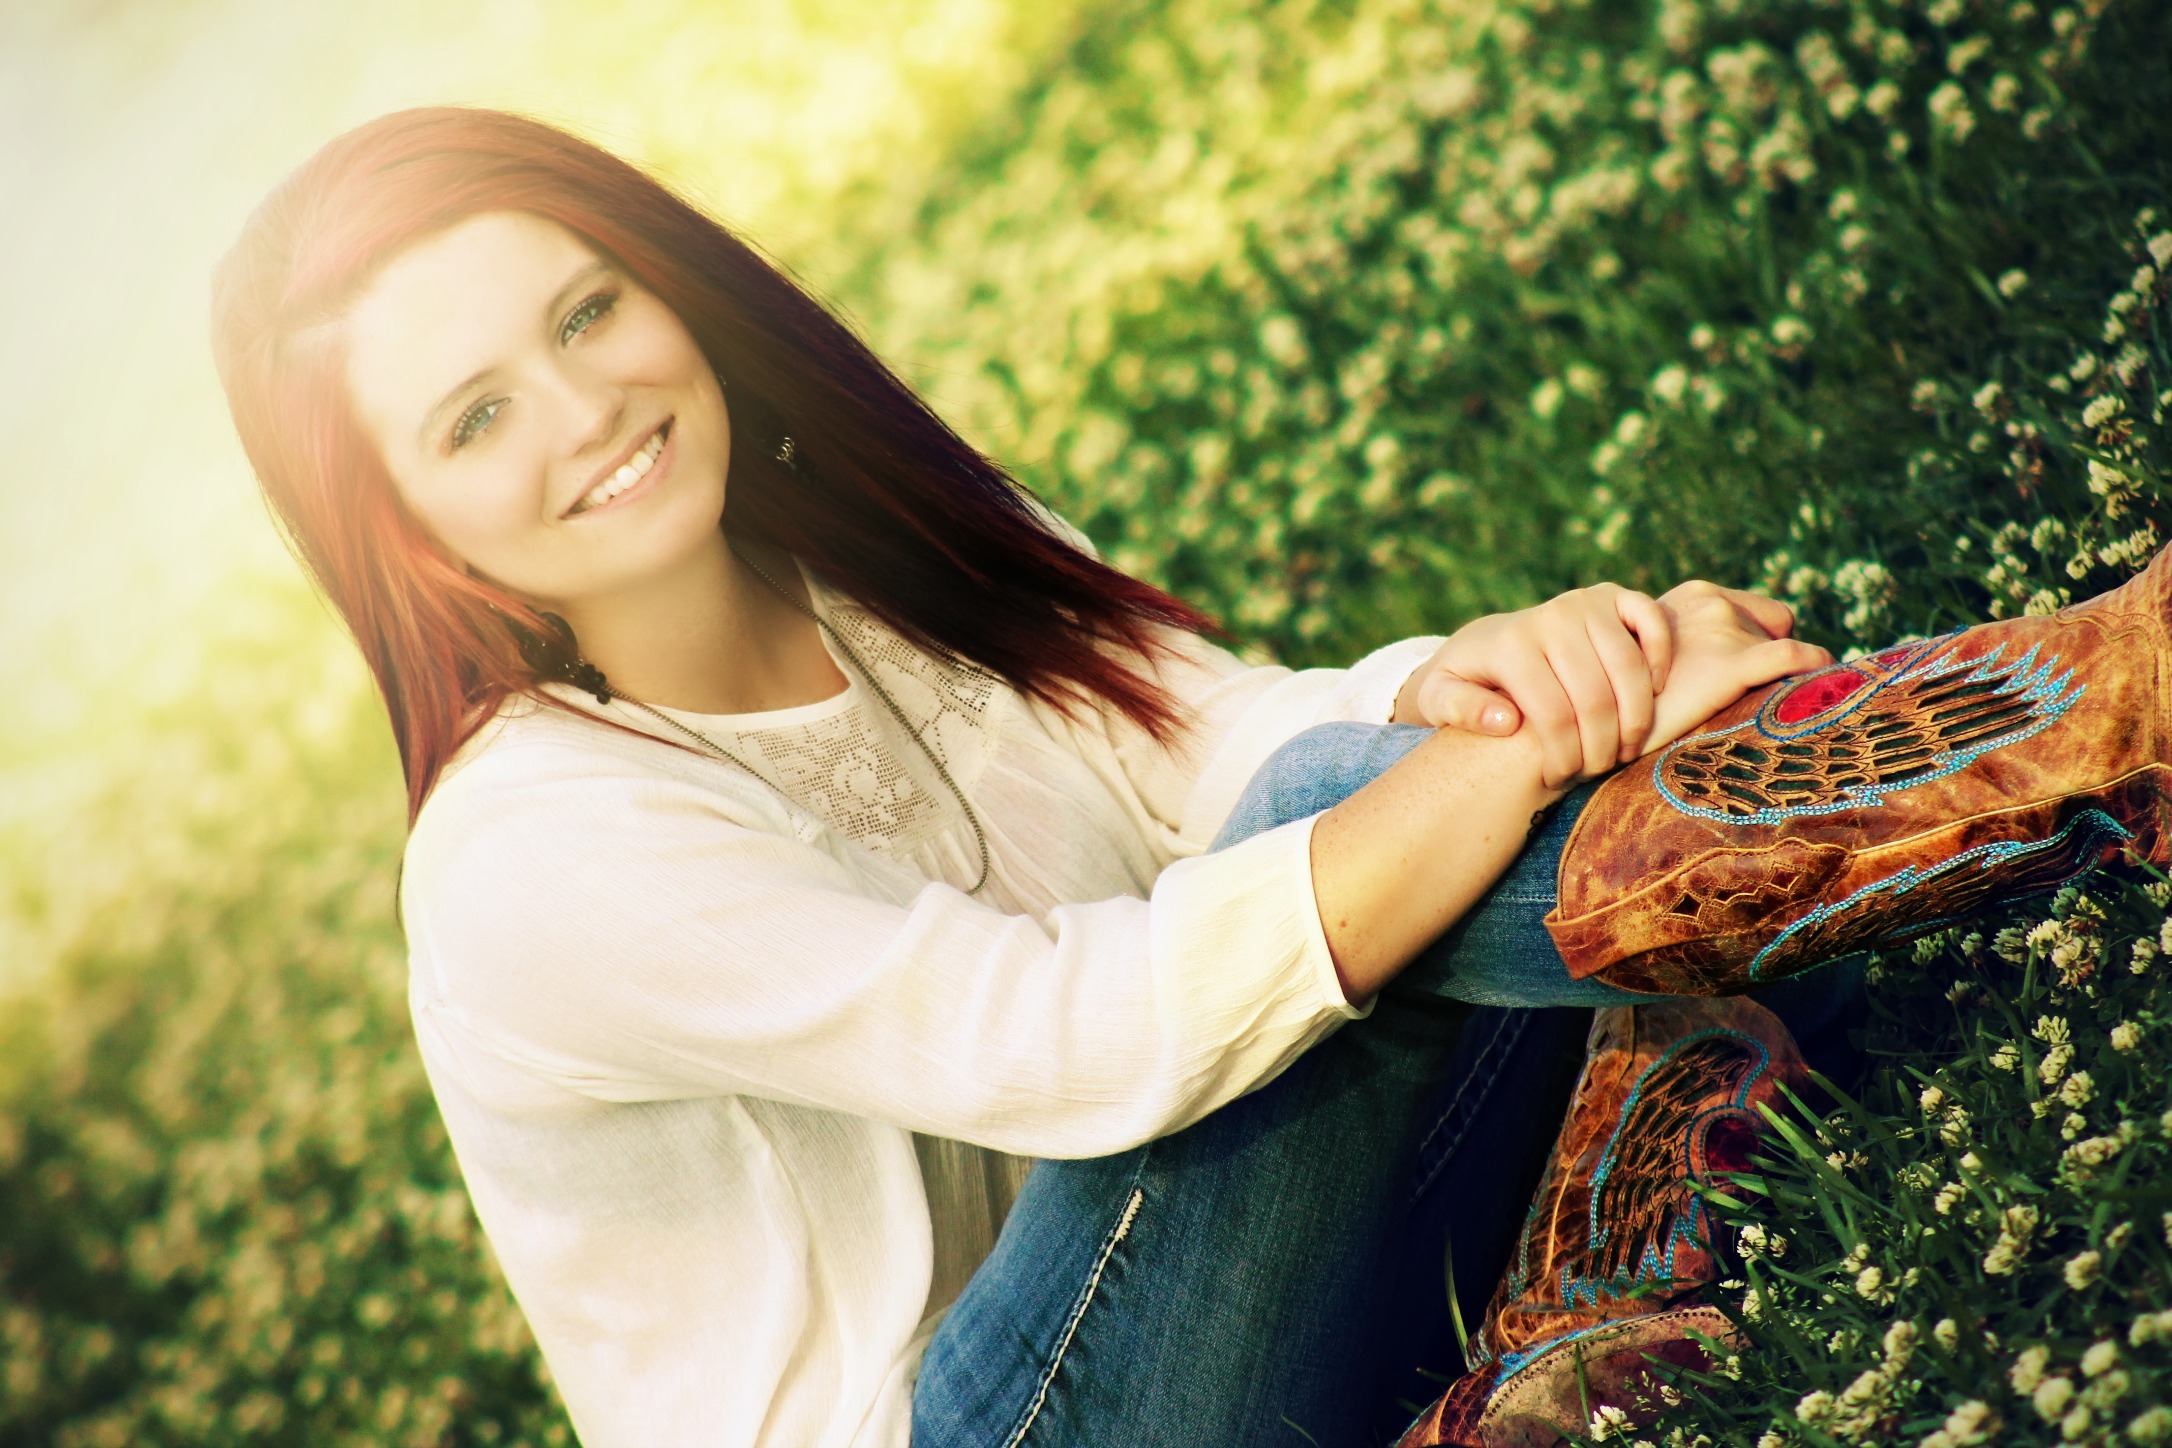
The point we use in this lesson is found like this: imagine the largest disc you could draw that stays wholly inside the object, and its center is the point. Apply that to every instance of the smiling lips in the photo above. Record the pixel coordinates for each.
(632, 471)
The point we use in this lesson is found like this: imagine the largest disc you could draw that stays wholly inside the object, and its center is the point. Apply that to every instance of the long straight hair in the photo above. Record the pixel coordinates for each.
(880, 497)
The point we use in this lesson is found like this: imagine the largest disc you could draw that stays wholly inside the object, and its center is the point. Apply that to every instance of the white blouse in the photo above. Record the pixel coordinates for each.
(742, 1081)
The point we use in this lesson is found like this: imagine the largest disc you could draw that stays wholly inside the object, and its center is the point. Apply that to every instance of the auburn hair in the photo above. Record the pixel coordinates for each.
(878, 495)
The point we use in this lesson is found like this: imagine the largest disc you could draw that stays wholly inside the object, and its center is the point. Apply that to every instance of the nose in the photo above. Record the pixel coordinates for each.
(592, 408)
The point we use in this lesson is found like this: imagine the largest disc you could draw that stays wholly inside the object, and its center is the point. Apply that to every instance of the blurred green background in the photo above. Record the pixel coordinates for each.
(1343, 318)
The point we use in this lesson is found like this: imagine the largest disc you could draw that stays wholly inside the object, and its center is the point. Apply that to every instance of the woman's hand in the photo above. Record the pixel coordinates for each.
(1583, 669)
(1726, 642)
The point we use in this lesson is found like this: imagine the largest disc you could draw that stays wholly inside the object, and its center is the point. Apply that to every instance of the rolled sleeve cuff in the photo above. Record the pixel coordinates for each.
(1374, 681)
(1240, 931)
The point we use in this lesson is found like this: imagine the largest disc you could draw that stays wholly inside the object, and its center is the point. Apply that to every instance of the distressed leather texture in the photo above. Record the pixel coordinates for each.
(1873, 801)
(1617, 1250)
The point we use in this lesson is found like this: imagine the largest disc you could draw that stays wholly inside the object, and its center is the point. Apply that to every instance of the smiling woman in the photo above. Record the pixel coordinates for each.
(746, 1002)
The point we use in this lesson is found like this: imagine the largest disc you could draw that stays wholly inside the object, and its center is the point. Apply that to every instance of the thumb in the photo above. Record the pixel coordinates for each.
(1449, 702)
(1762, 663)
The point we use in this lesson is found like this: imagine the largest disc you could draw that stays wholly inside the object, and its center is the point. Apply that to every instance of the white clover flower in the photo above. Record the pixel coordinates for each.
(2006, 1057)
(1870, 1283)
(2074, 1125)
(1949, 110)
(1790, 331)
(2082, 1269)
(1971, 1162)
(1990, 399)
(2152, 1427)
(1669, 383)
(1972, 1422)
(2126, 1036)
(1954, 1129)
(1753, 1306)
(1931, 1099)
(2144, 278)
(1948, 1197)
(1963, 54)
(2004, 94)
(2101, 1358)
(2004, 1256)
(1606, 1422)
(2054, 1064)
(2103, 409)
(2117, 1237)
(2148, 1327)
(1771, 1440)
(2094, 1152)
(2051, 1397)
(1947, 1332)
(2027, 1373)
(1899, 1345)
(2046, 933)
(2080, 1089)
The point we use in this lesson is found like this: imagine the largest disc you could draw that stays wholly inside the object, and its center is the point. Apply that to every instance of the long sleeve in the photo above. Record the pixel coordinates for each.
(1239, 715)
(613, 931)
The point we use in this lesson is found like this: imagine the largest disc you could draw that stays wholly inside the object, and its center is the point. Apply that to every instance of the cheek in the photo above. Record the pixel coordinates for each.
(486, 514)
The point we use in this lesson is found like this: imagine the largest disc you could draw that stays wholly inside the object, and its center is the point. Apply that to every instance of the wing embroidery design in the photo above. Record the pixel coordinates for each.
(1642, 1211)
(1844, 737)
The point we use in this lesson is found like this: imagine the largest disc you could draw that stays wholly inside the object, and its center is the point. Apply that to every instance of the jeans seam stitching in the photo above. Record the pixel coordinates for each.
(1490, 1064)
(1116, 1235)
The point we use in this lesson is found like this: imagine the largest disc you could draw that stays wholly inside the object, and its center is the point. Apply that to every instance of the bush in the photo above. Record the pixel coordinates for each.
(1344, 320)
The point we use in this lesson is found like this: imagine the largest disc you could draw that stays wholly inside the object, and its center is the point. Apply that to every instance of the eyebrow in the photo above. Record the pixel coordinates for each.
(550, 309)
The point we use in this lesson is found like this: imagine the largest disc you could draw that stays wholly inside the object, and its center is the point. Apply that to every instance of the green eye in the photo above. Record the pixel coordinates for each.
(474, 420)
(589, 312)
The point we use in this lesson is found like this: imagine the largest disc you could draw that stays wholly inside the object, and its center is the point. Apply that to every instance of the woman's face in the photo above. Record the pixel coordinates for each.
(554, 425)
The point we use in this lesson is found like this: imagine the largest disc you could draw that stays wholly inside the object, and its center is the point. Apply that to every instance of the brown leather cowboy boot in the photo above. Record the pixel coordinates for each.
(1867, 803)
(1616, 1252)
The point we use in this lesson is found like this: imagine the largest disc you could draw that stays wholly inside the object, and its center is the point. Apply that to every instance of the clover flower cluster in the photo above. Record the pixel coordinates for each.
(2014, 1156)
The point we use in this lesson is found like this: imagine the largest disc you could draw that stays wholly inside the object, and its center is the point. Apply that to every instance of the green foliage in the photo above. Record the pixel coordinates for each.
(229, 1212)
(1343, 318)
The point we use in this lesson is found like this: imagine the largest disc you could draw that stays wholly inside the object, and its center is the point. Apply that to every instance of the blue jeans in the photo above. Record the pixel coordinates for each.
(1279, 1272)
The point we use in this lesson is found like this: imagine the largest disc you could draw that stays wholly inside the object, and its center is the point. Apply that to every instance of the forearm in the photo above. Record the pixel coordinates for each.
(1403, 858)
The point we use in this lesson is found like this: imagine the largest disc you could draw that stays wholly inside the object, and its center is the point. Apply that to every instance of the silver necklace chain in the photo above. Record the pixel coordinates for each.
(980, 836)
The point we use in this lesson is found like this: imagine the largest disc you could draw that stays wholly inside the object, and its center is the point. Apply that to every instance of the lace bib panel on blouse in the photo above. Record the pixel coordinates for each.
(845, 765)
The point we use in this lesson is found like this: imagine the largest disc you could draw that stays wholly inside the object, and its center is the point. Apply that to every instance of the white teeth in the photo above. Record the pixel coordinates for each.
(635, 469)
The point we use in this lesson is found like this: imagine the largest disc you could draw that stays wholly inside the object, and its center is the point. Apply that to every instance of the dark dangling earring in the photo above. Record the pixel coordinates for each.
(559, 657)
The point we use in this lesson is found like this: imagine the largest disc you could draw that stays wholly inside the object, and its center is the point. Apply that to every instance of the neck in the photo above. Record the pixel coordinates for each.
(709, 636)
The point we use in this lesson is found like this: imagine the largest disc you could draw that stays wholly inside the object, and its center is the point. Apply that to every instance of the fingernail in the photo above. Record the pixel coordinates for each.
(1496, 718)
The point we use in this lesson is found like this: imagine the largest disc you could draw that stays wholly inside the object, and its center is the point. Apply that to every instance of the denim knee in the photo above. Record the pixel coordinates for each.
(1316, 770)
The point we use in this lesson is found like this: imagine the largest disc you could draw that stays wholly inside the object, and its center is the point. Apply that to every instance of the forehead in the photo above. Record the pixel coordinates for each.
(450, 306)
